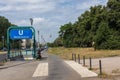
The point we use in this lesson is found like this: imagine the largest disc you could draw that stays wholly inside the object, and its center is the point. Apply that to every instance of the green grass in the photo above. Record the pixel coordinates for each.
(66, 53)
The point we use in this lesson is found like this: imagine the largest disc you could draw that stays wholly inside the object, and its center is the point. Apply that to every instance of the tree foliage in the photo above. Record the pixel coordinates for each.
(100, 25)
(4, 25)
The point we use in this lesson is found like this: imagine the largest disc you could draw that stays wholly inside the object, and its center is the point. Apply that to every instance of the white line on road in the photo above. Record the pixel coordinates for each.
(84, 72)
(41, 70)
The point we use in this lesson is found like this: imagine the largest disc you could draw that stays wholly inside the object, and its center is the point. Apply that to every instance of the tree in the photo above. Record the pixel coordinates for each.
(4, 24)
(58, 42)
(101, 24)
(66, 33)
(102, 36)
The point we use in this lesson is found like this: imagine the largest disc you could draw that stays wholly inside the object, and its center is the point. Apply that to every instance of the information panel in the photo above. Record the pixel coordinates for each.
(20, 34)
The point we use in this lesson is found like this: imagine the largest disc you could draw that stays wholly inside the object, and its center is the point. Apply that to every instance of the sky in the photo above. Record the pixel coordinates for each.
(47, 15)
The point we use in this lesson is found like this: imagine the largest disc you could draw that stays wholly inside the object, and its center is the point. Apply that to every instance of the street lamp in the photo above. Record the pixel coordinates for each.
(30, 41)
(31, 21)
(38, 39)
(34, 44)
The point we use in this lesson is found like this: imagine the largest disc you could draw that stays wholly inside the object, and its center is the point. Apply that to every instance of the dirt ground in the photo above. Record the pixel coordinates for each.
(110, 65)
(110, 68)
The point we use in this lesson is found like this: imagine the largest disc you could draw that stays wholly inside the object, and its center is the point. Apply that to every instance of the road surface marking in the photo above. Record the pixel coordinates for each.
(84, 72)
(41, 70)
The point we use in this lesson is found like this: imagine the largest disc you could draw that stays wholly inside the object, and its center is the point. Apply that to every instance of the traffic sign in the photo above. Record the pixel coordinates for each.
(20, 34)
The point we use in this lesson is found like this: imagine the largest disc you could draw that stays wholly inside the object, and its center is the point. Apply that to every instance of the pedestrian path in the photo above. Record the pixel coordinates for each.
(83, 71)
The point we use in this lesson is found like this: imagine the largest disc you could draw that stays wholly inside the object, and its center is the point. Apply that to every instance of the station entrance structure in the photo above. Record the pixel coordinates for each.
(19, 33)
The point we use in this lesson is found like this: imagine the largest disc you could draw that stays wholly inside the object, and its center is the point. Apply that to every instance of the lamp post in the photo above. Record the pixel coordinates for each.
(38, 40)
(31, 21)
(34, 44)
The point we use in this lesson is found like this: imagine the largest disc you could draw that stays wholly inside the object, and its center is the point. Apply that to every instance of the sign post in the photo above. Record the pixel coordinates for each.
(21, 32)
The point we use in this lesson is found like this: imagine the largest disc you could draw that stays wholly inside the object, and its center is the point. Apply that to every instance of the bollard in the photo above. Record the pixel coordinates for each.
(100, 66)
(90, 63)
(78, 58)
(72, 57)
(75, 57)
(83, 60)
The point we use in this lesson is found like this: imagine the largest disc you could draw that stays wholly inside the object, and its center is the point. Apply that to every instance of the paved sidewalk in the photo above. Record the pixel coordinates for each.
(12, 64)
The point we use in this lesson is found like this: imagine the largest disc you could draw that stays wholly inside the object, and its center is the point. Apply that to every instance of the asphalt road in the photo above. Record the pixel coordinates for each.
(19, 72)
(57, 70)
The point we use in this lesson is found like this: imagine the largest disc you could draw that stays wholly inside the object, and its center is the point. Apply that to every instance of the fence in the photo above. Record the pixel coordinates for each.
(3, 57)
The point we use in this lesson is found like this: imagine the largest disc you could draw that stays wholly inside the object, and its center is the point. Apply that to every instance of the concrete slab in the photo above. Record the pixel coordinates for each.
(41, 70)
(83, 71)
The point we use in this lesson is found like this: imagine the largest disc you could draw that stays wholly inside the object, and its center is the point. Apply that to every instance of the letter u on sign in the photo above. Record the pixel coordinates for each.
(20, 32)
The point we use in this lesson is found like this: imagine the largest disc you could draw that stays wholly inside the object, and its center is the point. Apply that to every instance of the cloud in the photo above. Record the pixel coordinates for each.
(48, 15)
(25, 5)
(22, 22)
(38, 20)
(87, 4)
(5, 8)
(26, 22)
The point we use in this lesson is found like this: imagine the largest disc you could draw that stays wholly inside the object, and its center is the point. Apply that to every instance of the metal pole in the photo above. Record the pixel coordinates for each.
(34, 47)
(79, 58)
(75, 57)
(34, 44)
(100, 66)
(90, 63)
(83, 60)
(38, 40)
(72, 56)
(8, 43)
(31, 22)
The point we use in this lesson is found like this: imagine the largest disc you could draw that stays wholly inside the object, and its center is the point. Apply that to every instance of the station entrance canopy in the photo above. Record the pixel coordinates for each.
(21, 32)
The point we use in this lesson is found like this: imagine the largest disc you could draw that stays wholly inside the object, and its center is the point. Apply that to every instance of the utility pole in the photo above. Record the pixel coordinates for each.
(38, 40)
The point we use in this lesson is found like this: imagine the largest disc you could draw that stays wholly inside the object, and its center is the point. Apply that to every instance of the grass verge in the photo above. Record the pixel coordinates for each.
(66, 53)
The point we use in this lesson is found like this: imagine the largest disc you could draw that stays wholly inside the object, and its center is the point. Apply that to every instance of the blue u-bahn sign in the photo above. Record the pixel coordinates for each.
(21, 34)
